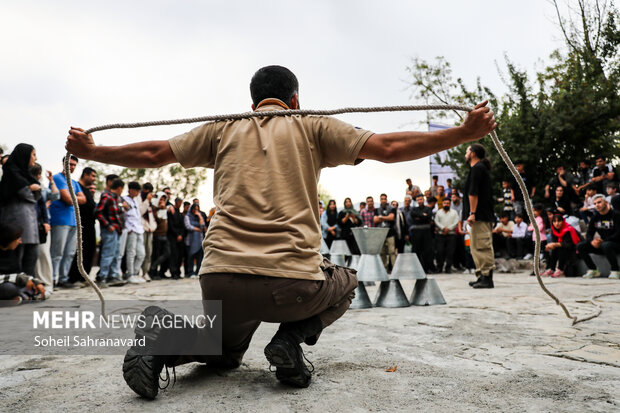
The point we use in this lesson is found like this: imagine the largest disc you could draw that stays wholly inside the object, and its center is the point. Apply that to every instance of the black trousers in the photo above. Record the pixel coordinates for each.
(561, 257)
(609, 249)
(89, 245)
(161, 254)
(445, 250)
(352, 244)
(177, 252)
(423, 247)
(28, 254)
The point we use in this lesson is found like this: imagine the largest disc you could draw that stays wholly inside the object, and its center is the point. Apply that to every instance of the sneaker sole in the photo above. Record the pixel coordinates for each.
(138, 369)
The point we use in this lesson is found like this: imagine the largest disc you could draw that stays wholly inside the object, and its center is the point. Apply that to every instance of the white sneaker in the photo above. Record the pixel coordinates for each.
(592, 274)
(134, 279)
(528, 257)
(614, 275)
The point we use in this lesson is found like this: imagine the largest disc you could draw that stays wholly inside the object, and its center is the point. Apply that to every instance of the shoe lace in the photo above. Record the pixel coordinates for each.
(166, 380)
(309, 362)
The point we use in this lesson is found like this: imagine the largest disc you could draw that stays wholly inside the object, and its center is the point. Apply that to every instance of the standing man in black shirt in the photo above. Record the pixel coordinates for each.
(602, 237)
(385, 218)
(478, 211)
(87, 216)
(422, 216)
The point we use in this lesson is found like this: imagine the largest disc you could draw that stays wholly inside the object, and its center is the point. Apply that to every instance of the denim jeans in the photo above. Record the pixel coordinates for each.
(62, 250)
(134, 254)
(110, 254)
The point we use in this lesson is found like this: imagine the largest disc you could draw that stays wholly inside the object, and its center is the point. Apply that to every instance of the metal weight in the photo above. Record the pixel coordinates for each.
(391, 295)
(407, 267)
(427, 292)
(338, 251)
(370, 241)
(361, 299)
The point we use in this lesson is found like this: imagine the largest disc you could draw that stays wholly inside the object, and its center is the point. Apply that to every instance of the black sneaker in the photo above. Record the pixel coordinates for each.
(288, 358)
(140, 369)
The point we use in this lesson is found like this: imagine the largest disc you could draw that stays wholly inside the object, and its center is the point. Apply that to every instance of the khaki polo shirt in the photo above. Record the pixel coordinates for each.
(266, 172)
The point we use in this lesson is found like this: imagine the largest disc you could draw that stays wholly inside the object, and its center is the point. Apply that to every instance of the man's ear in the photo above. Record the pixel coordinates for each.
(294, 104)
(253, 108)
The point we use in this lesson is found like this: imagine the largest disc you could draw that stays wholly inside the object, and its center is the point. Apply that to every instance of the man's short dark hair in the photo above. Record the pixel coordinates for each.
(117, 183)
(449, 180)
(385, 195)
(504, 214)
(369, 197)
(273, 82)
(147, 187)
(166, 187)
(73, 158)
(186, 203)
(110, 178)
(419, 195)
(431, 199)
(87, 171)
(600, 157)
(134, 185)
(612, 185)
(435, 177)
(519, 216)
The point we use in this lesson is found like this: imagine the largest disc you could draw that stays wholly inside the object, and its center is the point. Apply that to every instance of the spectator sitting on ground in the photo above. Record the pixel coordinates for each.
(502, 236)
(602, 174)
(15, 286)
(561, 202)
(602, 237)
(561, 248)
(612, 191)
(587, 210)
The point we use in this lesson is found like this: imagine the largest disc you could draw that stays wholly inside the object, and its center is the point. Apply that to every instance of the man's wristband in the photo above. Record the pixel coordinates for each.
(472, 212)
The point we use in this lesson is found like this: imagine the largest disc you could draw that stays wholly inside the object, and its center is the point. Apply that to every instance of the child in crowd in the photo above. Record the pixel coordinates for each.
(587, 210)
(519, 233)
(508, 196)
(538, 211)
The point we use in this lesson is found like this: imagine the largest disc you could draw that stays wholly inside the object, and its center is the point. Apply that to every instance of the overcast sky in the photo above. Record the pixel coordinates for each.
(76, 63)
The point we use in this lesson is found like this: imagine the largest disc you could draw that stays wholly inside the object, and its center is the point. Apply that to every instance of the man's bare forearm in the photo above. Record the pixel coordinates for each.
(148, 154)
(407, 146)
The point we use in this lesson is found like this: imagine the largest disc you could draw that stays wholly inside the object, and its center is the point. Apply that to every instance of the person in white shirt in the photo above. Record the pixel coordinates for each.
(502, 234)
(134, 254)
(446, 220)
(519, 236)
(587, 210)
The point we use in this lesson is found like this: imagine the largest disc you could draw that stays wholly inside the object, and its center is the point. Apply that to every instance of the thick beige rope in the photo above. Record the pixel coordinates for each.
(236, 116)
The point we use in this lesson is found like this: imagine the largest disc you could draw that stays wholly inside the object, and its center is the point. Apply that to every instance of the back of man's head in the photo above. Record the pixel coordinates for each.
(273, 82)
(117, 183)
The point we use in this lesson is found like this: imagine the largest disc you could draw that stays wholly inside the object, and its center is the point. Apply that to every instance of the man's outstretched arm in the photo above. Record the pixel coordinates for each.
(148, 154)
(407, 146)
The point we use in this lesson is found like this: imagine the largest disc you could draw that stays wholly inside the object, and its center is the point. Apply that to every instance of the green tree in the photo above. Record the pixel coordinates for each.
(182, 182)
(569, 113)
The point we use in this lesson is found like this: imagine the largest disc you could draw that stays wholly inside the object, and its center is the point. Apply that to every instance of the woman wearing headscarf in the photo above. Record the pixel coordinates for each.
(195, 225)
(562, 248)
(329, 223)
(19, 192)
(349, 218)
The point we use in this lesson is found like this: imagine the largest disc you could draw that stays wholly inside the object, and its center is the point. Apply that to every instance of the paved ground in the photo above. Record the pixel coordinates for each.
(509, 349)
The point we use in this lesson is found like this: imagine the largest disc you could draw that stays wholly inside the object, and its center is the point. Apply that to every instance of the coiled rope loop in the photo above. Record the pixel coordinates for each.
(247, 115)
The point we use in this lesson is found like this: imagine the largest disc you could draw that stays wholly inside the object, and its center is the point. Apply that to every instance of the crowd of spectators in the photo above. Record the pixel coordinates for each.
(143, 234)
(577, 215)
(147, 235)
